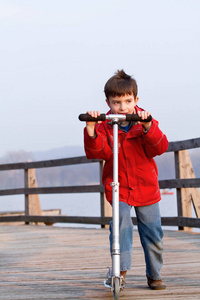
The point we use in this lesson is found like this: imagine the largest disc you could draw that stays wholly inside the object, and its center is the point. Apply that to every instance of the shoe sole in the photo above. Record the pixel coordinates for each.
(110, 287)
(158, 288)
(107, 285)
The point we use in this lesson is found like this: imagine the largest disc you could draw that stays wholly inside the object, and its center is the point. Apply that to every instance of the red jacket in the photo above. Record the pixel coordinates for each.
(138, 173)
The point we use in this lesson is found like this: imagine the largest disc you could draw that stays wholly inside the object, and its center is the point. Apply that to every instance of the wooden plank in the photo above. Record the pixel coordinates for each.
(49, 163)
(47, 212)
(179, 183)
(70, 263)
(26, 194)
(178, 190)
(62, 162)
(182, 145)
(54, 190)
(106, 208)
(188, 195)
(14, 166)
(187, 171)
(186, 198)
(171, 183)
(34, 201)
(189, 222)
(167, 221)
(58, 219)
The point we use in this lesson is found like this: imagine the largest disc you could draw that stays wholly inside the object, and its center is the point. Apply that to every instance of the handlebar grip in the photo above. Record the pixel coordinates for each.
(134, 117)
(88, 118)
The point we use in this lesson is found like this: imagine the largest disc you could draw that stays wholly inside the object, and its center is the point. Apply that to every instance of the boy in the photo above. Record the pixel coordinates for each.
(138, 176)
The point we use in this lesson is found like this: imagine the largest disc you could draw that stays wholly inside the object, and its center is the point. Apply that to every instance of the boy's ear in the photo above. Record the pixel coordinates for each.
(136, 100)
(107, 101)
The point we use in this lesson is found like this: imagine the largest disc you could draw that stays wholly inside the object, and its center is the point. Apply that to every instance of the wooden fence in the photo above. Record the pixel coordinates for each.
(179, 183)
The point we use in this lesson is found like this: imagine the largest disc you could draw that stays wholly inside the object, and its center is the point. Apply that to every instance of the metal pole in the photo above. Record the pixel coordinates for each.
(115, 191)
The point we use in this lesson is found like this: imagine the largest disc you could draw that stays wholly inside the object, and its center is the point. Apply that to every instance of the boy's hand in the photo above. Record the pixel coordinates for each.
(90, 126)
(144, 115)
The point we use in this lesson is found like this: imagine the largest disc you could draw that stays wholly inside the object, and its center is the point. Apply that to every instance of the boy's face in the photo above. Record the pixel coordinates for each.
(123, 104)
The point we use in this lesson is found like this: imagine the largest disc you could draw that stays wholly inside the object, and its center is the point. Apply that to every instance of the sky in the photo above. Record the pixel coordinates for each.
(56, 56)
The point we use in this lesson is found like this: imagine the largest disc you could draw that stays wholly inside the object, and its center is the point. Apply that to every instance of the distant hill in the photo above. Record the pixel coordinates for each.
(56, 153)
(76, 174)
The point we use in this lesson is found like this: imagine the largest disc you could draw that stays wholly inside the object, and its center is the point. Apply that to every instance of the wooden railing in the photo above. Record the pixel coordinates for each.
(176, 183)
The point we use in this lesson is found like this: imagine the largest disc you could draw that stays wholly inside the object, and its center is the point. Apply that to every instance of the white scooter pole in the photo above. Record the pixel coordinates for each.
(115, 198)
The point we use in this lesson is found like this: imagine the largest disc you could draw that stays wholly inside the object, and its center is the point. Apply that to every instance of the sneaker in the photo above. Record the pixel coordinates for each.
(108, 281)
(156, 284)
(123, 276)
(123, 282)
(108, 284)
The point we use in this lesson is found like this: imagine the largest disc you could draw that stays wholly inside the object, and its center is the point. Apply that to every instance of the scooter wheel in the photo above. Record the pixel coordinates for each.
(116, 289)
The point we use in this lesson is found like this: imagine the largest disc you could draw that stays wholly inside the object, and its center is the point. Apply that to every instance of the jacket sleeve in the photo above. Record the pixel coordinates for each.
(155, 141)
(97, 148)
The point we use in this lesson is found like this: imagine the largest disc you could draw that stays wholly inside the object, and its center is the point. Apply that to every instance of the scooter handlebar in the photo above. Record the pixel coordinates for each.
(103, 117)
(88, 118)
(135, 117)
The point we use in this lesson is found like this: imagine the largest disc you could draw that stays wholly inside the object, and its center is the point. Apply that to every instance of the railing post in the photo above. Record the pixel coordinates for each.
(101, 163)
(178, 190)
(106, 208)
(26, 195)
(32, 201)
(189, 196)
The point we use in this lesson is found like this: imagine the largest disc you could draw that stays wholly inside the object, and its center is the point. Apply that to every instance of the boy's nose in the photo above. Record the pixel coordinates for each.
(122, 106)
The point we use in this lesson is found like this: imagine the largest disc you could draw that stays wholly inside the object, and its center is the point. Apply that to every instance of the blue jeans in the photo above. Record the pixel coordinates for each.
(150, 232)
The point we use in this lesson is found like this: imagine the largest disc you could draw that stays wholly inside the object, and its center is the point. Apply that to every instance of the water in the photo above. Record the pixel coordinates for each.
(84, 205)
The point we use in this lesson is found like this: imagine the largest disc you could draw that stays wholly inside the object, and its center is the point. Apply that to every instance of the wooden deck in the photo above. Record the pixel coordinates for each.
(39, 262)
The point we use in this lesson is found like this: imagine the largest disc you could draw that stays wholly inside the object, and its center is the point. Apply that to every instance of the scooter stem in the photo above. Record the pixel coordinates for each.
(115, 194)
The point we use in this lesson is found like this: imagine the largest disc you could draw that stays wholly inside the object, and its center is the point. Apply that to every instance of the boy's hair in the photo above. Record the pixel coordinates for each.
(120, 84)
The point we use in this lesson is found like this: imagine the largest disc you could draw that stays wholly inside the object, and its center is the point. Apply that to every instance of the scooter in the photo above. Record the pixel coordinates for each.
(114, 273)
